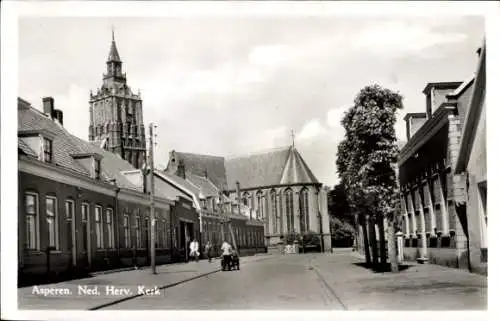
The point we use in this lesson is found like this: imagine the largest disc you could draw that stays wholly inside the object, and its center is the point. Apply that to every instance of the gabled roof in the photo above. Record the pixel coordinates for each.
(280, 166)
(261, 169)
(198, 165)
(205, 186)
(65, 144)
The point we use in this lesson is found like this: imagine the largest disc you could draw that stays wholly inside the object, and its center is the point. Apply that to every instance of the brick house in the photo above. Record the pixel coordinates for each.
(76, 199)
(433, 210)
(471, 163)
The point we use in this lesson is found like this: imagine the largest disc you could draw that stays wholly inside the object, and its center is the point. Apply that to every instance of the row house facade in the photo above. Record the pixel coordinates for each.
(217, 212)
(77, 208)
(433, 194)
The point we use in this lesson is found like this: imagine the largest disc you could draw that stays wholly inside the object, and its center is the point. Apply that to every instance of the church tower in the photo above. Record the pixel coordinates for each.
(116, 122)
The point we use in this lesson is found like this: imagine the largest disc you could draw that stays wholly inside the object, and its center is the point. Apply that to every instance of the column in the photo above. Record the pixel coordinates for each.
(423, 253)
(412, 215)
(444, 208)
(405, 216)
(427, 191)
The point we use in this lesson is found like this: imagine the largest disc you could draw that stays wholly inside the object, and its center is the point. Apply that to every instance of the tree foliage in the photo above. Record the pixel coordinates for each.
(338, 205)
(368, 153)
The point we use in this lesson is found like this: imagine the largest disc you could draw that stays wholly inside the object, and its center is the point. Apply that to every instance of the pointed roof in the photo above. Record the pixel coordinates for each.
(113, 51)
(280, 166)
(296, 170)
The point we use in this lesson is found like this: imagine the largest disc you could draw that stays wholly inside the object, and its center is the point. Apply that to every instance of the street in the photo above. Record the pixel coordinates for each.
(322, 281)
(329, 281)
(283, 282)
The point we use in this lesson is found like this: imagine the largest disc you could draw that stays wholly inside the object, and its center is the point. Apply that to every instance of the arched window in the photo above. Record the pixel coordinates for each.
(246, 197)
(260, 205)
(289, 209)
(304, 210)
(274, 211)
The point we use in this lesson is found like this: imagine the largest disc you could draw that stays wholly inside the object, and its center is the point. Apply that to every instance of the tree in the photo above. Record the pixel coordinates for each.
(338, 205)
(365, 164)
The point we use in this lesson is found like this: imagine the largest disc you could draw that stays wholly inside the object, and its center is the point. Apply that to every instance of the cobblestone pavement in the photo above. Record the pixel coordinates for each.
(168, 275)
(311, 281)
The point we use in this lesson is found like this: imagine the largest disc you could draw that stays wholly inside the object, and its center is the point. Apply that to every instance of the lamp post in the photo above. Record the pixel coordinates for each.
(152, 200)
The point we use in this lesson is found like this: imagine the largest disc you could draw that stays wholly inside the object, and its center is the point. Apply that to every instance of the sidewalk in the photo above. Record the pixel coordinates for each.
(419, 287)
(102, 289)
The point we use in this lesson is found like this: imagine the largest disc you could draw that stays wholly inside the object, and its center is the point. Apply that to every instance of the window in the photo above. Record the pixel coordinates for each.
(31, 221)
(51, 210)
(109, 228)
(165, 234)
(47, 150)
(274, 211)
(98, 228)
(260, 205)
(158, 236)
(289, 209)
(97, 169)
(70, 210)
(146, 233)
(126, 231)
(304, 210)
(137, 231)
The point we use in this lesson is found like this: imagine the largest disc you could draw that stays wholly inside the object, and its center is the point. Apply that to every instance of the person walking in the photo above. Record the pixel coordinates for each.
(194, 248)
(208, 251)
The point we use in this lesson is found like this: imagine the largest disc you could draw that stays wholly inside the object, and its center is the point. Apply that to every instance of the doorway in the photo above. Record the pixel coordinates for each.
(186, 234)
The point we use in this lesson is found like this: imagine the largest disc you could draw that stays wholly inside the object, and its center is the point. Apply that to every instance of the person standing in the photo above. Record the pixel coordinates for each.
(226, 253)
(208, 251)
(194, 248)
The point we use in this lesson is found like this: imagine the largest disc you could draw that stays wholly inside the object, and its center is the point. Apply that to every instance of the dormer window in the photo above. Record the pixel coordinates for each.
(47, 150)
(97, 169)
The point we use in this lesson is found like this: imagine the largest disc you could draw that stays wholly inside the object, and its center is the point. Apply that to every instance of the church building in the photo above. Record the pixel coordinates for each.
(277, 186)
(116, 123)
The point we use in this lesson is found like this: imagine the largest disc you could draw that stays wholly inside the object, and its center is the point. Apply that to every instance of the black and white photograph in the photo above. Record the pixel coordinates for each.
(229, 156)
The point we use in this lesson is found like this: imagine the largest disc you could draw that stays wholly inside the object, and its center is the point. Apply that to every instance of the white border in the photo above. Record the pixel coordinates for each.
(12, 10)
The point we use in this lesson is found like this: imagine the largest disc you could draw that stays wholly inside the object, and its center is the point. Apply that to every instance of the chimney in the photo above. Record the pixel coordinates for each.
(238, 196)
(58, 115)
(48, 106)
(435, 94)
(413, 123)
(181, 169)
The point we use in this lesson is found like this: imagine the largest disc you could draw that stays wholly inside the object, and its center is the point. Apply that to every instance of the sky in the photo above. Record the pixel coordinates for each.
(231, 86)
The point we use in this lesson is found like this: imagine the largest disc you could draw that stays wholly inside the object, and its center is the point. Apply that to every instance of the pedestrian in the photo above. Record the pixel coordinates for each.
(208, 251)
(194, 248)
(226, 253)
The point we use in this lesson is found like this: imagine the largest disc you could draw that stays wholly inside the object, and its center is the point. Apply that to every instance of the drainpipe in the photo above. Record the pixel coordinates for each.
(117, 225)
